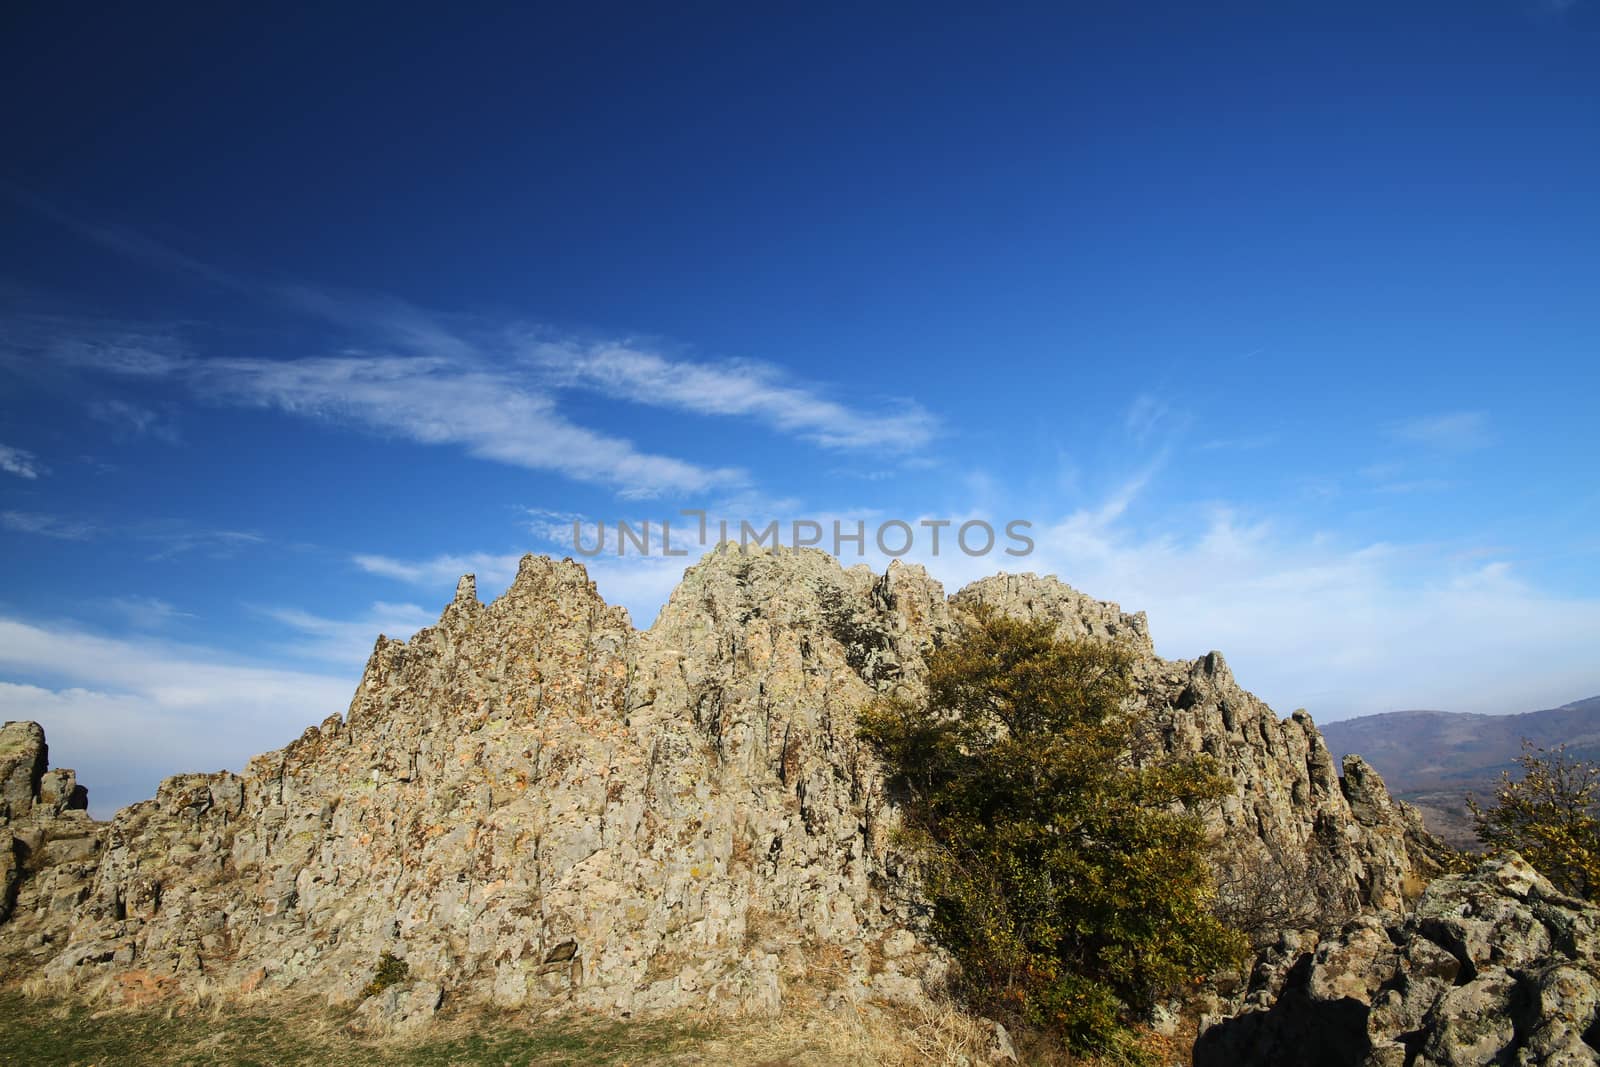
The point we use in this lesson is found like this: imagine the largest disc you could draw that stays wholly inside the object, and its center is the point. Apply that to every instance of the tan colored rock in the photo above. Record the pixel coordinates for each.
(48, 845)
(537, 806)
(402, 1009)
(23, 758)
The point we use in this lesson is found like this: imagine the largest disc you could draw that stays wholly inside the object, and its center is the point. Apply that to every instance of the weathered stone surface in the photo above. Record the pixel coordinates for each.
(23, 758)
(535, 805)
(400, 1009)
(48, 845)
(1492, 967)
(10, 873)
(998, 1047)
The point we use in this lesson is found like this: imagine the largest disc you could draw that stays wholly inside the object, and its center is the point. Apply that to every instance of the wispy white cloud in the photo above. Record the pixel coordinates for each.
(165, 538)
(126, 242)
(641, 584)
(42, 525)
(441, 572)
(394, 322)
(349, 641)
(1239, 444)
(175, 538)
(1400, 479)
(486, 387)
(53, 344)
(571, 533)
(1459, 431)
(492, 413)
(1144, 415)
(497, 411)
(732, 388)
(145, 612)
(550, 527)
(126, 713)
(1414, 485)
(397, 321)
(20, 462)
(130, 420)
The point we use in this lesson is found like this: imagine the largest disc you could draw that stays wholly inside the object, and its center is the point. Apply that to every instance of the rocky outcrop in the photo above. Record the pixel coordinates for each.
(1491, 967)
(23, 758)
(533, 804)
(48, 844)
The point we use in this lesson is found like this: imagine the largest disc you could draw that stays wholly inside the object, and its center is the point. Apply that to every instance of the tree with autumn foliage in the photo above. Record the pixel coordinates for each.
(1551, 815)
(1067, 875)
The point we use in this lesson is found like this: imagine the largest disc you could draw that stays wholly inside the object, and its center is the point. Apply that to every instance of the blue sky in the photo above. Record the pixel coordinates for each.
(1278, 321)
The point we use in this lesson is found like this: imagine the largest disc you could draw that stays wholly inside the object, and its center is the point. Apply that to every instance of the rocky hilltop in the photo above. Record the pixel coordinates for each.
(535, 805)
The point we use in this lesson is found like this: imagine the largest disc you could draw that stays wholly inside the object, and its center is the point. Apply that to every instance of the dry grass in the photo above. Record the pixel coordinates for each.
(50, 1031)
(42, 1027)
(812, 1035)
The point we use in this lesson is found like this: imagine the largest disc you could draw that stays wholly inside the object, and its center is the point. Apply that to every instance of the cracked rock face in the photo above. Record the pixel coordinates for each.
(533, 804)
(48, 844)
(1491, 967)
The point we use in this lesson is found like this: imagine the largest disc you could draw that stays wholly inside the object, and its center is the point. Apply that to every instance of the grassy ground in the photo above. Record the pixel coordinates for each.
(47, 1031)
(69, 1034)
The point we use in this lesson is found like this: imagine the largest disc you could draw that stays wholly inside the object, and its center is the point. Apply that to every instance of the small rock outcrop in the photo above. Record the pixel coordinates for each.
(1490, 967)
(48, 844)
(533, 804)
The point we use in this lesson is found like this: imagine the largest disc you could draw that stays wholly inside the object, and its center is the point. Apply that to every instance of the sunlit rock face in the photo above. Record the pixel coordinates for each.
(537, 806)
(49, 847)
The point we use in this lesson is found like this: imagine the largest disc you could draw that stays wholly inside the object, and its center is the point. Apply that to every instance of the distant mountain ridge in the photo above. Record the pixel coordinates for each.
(1434, 758)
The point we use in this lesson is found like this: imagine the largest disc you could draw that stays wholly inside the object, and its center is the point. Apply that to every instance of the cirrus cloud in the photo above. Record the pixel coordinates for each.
(19, 462)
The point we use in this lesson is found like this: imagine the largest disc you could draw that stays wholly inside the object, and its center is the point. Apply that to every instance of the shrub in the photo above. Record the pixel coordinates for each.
(1263, 891)
(392, 970)
(1549, 816)
(1067, 877)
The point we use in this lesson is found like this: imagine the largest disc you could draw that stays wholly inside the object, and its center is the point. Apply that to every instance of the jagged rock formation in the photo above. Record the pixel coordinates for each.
(1492, 967)
(48, 844)
(536, 805)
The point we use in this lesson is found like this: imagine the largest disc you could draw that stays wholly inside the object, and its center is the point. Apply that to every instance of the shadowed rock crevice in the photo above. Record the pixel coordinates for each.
(1300, 1029)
